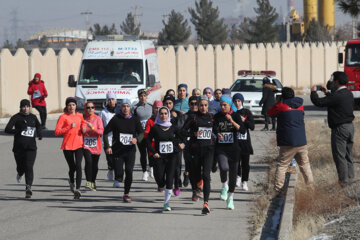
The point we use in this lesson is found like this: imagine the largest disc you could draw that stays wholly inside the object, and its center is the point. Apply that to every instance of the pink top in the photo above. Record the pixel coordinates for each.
(92, 140)
(73, 138)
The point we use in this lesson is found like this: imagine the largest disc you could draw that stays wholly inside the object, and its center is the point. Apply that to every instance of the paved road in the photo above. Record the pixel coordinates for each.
(53, 214)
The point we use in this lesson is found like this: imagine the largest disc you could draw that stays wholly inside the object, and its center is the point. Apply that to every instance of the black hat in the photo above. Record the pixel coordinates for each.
(194, 98)
(24, 103)
(169, 97)
(69, 100)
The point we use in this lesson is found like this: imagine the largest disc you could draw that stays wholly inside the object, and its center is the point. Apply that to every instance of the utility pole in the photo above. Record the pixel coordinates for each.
(87, 13)
(137, 15)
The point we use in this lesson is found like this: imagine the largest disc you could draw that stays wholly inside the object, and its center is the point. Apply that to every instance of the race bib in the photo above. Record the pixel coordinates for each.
(242, 136)
(125, 138)
(90, 142)
(206, 133)
(166, 147)
(36, 94)
(29, 132)
(228, 137)
(143, 123)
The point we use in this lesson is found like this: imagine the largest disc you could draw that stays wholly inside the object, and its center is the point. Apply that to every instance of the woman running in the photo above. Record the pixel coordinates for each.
(149, 124)
(127, 131)
(69, 125)
(227, 148)
(244, 115)
(24, 147)
(199, 129)
(92, 130)
(168, 142)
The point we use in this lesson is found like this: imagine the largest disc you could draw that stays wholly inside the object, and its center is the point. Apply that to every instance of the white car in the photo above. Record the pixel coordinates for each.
(250, 85)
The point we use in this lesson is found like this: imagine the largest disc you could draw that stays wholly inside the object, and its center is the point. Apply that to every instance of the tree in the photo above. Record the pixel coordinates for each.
(104, 30)
(129, 25)
(262, 28)
(44, 43)
(8, 44)
(235, 33)
(175, 31)
(209, 28)
(20, 43)
(351, 7)
(317, 33)
(343, 32)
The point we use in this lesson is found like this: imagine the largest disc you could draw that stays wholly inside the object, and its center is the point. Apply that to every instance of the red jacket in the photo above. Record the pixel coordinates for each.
(37, 91)
(149, 124)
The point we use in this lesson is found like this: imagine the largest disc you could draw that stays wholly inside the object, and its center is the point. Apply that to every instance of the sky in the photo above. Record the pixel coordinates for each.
(22, 18)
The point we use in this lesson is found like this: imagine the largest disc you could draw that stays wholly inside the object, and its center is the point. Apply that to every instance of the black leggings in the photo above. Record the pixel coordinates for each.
(110, 161)
(143, 154)
(244, 167)
(25, 163)
(73, 159)
(267, 119)
(164, 170)
(43, 113)
(177, 174)
(129, 159)
(187, 158)
(200, 168)
(227, 164)
(91, 165)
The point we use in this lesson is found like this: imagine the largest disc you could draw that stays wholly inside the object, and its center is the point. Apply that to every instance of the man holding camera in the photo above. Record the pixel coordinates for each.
(340, 107)
(290, 136)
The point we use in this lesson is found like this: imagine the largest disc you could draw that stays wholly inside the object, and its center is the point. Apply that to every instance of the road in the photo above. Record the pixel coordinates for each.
(53, 214)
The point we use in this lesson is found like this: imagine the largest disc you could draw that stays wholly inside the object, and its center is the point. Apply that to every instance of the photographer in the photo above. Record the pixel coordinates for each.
(340, 107)
(290, 136)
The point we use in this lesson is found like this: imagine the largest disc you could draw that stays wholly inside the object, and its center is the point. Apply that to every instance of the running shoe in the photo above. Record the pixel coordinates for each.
(206, 209)
(88, 185)
(93, 187)
(72, 186)
(199, 193)
(110, 175)
(18, 178)
(116, 184)
(195, 198)
(167, 207)
(176, 191)
(145, 176)
(77, 194)
(245, 186)
(186, 180)
(161, 189)
(151, 172)
(238, 181)
(121, 178)
(126, 198)
(224, 195)
(28, 192)
(230, 203)
(200, 184)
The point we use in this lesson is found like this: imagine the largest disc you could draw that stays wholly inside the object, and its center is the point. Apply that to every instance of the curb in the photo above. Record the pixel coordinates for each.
(286, 222)
(52, 116)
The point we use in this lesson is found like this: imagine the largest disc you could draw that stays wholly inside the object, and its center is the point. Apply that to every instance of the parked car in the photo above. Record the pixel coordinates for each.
(250, 84)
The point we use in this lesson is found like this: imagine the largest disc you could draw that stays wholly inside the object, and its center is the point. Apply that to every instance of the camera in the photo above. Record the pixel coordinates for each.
(319, 88)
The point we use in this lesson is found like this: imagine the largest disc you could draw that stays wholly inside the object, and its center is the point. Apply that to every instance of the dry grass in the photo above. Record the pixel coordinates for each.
(327, 197)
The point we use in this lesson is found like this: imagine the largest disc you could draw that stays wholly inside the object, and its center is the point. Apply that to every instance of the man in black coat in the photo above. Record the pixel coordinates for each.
(267, 101)
(340, 107)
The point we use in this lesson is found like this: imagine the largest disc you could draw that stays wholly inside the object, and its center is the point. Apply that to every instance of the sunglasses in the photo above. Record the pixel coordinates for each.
(92, 107)
(193, 103)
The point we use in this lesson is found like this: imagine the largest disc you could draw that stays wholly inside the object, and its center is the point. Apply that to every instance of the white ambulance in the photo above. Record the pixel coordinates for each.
(121, 67)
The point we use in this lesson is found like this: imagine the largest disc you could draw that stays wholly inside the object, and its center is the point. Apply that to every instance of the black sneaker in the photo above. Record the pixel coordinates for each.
(77, 194)
(186, 180)
(264, 129)
(121, 178)
(28, 192)
(206, 209)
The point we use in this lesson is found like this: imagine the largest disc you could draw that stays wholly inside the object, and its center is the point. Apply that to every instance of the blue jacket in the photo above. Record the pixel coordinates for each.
(182, 105)
(291, 126)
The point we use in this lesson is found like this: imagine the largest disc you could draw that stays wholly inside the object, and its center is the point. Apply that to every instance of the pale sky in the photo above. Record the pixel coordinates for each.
(31, 16)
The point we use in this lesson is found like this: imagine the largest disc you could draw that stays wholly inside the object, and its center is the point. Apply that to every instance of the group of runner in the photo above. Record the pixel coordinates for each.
(208, 129)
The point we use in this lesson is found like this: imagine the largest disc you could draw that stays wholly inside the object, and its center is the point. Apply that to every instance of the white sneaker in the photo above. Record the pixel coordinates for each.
(245, 186)
(145, 176)
(238, 181)
(151, 171)
(72, 186)
(18, 178)
(110, 175)
(116, 184)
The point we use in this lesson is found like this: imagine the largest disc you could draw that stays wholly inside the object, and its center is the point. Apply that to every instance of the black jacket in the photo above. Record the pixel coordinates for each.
(291, 126)
(24, 132)
(340, 106)
(249, 124)
(268, 98)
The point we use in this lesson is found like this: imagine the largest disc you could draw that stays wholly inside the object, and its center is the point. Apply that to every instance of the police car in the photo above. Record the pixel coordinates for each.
(250, 85)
